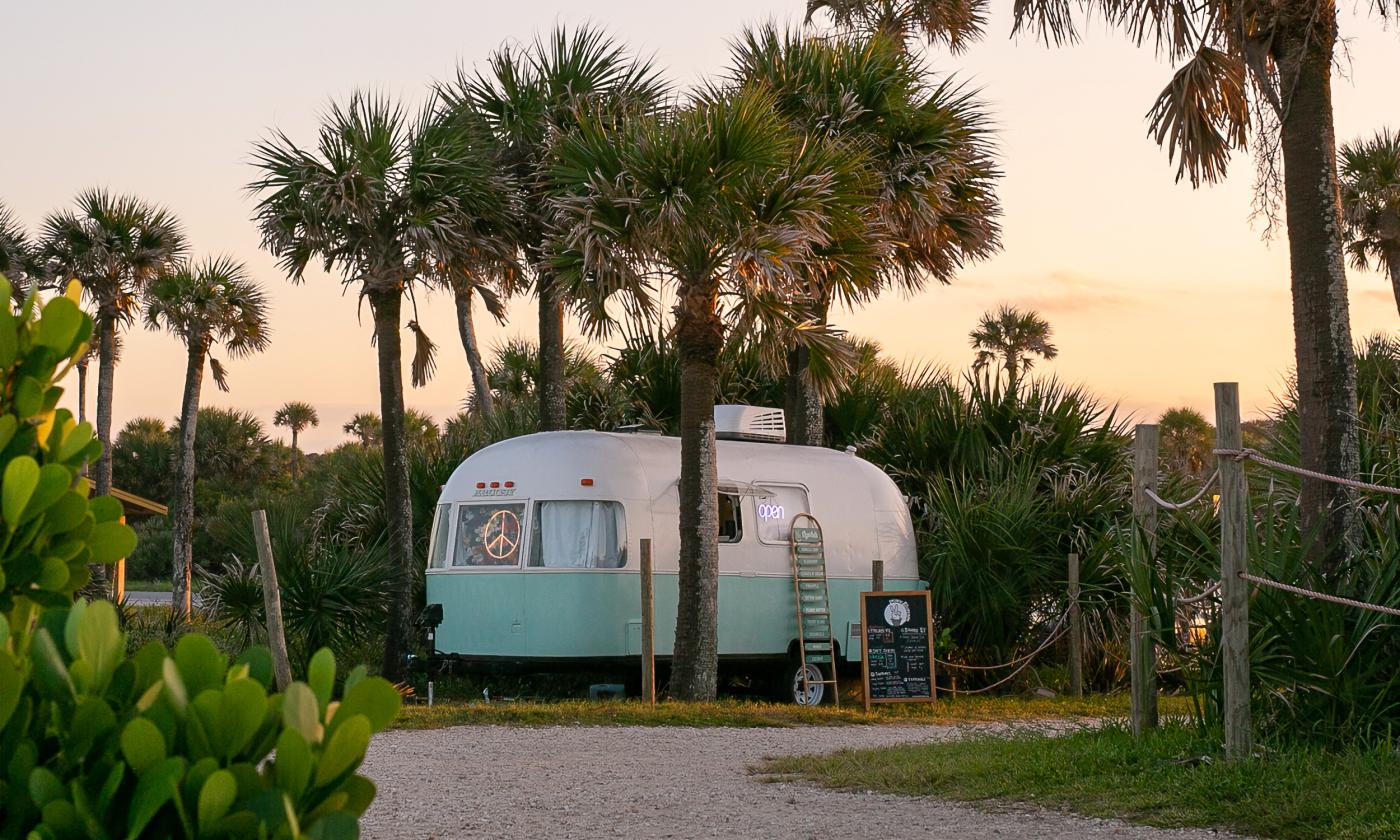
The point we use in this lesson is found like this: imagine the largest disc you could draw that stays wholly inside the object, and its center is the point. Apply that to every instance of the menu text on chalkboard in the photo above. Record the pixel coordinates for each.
(897, 646)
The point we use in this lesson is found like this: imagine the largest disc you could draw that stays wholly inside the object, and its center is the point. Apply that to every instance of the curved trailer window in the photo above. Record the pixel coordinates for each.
(442, 537)
(489, 534)
(578, 535)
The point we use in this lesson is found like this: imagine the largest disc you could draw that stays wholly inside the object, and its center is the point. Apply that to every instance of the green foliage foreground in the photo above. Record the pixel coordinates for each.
(1172, 778)
(94, 743)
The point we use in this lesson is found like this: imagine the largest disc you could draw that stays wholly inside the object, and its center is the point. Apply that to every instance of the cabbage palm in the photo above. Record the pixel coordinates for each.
(1370, 174)
(115, 245)
(18, 257)
(1245, 66)
(365, 427)
(296, 416)
(385, 198)
(928, 146)
(1012, 338)
(720, 198)
(529, 97)
(203, 304)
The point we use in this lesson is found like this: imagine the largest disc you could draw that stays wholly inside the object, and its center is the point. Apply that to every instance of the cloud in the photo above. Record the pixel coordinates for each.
(1071, 293)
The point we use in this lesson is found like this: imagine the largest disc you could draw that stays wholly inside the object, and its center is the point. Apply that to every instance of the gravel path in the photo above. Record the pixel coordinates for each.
(668, 782)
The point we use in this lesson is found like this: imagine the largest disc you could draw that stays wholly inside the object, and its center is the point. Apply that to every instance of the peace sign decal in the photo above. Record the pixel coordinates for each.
(501, 534)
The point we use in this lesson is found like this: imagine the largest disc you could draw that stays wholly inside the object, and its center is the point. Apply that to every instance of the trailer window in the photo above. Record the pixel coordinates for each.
(731, 519)
(442, 537)
(776, 510)
(578, 535)
(489, 535)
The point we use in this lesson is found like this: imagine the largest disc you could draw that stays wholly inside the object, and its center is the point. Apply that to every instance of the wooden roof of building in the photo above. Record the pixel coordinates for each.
(137, 505)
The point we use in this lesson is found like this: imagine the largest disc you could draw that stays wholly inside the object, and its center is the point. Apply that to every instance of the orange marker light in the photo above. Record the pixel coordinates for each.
(495, 484)
(510, 483)
(586, 482)
(480, 484)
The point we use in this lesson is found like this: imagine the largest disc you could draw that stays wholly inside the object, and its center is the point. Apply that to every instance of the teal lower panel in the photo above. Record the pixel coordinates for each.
(593, 614)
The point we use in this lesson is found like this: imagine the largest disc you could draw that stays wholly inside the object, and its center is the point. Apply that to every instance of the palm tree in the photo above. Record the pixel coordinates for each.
(385, 198)
(1264, 65)
(927, 145)
(1014, 338)
(1187, 440)
(18, 260)
(464, 286)
(366, 427)
(296, 416)
(115, 245)
(528, 98)
(203, 304)
(1371, 203)
(720, 198)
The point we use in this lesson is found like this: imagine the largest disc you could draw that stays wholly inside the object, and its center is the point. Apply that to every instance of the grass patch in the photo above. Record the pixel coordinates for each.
(741, 713)
(149, 586)
(1163, 781)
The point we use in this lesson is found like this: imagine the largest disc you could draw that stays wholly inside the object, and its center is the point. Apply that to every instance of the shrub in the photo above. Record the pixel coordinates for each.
(150, 560)
(97, 743)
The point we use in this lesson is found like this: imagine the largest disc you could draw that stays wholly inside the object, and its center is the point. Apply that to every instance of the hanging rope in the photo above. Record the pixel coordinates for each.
(1320, 596)
(1252, 455)
(1055, 633)
(1186, 504)
(1205, 593)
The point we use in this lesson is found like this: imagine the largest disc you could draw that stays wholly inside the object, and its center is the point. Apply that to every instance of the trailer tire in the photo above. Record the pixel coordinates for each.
(789, 684)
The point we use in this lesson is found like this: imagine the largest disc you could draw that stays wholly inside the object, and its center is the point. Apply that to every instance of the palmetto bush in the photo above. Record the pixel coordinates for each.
(1003, 485)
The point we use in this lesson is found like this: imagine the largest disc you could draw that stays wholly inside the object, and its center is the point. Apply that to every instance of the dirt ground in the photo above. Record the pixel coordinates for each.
(654, 782)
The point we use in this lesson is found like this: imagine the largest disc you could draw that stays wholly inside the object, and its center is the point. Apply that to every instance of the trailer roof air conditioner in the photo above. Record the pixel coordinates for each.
(750, 422)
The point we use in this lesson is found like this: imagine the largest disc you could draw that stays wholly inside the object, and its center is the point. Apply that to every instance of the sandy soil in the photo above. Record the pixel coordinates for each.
(585, 782)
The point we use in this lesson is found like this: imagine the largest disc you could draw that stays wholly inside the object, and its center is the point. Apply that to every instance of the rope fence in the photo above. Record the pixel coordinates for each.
(1319, 596)
(1253, 455)
(1163, 503)
(1055, 633)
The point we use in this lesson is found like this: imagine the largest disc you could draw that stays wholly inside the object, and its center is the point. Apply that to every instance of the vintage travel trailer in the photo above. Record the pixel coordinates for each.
(534, 549)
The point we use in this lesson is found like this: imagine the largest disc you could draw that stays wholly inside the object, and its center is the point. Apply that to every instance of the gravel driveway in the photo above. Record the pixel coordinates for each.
(645, 782)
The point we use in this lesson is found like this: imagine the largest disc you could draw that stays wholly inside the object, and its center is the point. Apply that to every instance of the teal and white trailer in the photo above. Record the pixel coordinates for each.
(534, 549)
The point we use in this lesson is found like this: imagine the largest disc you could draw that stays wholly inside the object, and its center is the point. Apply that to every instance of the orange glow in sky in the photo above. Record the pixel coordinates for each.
(1155, 290)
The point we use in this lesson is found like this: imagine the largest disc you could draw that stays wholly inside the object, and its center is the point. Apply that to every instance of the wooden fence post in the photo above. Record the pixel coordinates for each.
(648, 627)
(877, 575)
(1076, 631)
(1142, 647)
(272, 602)
(1234, 619)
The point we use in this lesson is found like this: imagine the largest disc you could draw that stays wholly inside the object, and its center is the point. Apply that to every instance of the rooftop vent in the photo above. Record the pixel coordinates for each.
(750, 422)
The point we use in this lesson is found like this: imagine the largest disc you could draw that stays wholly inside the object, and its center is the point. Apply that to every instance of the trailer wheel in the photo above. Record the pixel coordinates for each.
(791, 688)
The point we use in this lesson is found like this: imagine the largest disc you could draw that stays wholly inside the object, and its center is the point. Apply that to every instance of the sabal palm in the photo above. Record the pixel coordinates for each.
(528, 97)
(1245, 65)
(384, 198)
(928, 146)
(722, 199)
(365, 427)
(206, 304)
(18, 258)
(115, 245)
(1014, 338)
(1370, 172)
(296, 416)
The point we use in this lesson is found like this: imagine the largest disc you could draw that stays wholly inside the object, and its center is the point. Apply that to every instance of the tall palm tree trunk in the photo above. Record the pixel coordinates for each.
(106, 371)
(296, 458)
(397, 506)
(805, 422)
(695, 659)
(82, 390)
(182, 532)
(1390, 259)
(484, 402)
(1321, 328)
(553, 414)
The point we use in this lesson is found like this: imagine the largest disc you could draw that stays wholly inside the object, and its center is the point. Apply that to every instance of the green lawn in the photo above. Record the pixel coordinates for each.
(149, 586)
(1175, 778)
(751, 714)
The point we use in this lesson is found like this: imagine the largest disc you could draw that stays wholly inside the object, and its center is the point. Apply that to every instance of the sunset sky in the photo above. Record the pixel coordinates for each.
(1155, 290)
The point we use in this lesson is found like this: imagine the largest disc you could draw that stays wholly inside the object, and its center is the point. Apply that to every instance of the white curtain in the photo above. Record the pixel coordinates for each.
(578, 535)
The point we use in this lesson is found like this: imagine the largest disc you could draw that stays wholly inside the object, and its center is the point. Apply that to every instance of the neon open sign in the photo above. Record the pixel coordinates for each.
(769, 511)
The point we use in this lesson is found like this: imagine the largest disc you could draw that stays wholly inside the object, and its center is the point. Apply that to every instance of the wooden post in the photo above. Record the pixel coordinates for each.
(1076, 631)
(1142, 647)
(648, 627)
(272, 602)
(119, 577)
(877, 575)
(1234, 623)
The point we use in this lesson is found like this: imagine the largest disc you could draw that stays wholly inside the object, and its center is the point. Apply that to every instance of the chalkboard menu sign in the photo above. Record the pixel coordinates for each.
(896, 647)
